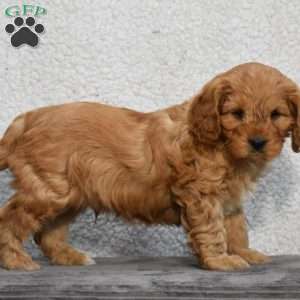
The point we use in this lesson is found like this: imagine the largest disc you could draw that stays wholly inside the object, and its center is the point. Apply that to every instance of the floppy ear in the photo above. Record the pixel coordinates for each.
(294, 99)
(204, 113)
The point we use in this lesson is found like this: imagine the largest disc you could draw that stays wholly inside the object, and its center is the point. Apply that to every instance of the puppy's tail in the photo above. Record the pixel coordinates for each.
(10, 138)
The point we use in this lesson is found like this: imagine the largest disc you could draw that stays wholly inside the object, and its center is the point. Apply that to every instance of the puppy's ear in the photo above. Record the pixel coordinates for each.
(293, 97)
(204, 113)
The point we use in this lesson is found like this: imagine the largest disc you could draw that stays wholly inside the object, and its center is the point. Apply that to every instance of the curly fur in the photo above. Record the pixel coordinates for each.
(189, 164)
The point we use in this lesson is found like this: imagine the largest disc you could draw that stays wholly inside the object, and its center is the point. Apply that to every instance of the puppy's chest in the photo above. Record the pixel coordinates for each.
(228, 185)
(233, 191)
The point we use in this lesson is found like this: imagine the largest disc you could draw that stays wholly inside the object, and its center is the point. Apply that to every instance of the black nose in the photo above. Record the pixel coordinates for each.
(257, 143)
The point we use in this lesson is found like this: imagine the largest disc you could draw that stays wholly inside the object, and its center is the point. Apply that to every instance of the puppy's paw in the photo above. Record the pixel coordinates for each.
(16, 260)
(89, 259)
(225, 263)
(253, 257)
(72, 257)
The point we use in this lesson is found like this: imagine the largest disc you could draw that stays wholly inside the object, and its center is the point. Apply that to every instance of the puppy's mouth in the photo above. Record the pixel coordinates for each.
(255, 155)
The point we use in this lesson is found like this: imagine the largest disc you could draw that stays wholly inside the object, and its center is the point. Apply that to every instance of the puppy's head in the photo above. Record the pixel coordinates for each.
(250, 109)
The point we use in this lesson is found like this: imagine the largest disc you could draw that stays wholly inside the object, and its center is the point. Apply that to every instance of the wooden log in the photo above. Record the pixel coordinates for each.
(153, 278)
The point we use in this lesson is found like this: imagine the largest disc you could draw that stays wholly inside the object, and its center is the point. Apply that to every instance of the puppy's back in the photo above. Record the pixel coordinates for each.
(50, 135)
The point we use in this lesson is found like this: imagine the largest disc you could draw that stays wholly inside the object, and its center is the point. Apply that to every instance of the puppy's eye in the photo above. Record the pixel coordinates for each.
(275, 114)
(238, 114)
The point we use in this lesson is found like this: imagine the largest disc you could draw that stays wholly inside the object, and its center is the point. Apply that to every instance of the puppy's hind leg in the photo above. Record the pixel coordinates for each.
(53, 242)
(23, 215)
(16, 224)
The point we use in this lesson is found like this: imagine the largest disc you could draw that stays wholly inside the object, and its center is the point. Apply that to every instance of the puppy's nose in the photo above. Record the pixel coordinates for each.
(257, 143)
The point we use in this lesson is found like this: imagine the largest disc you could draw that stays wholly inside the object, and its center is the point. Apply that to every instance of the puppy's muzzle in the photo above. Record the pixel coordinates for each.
(257, 143)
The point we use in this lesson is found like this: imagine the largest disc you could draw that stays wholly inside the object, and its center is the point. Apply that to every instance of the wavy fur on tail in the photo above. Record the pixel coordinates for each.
(9, 140)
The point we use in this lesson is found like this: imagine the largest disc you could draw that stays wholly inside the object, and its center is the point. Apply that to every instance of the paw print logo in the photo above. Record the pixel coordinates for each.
(24, 34)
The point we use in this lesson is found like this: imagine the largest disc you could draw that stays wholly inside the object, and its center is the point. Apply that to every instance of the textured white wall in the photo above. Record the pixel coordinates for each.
(146, 55)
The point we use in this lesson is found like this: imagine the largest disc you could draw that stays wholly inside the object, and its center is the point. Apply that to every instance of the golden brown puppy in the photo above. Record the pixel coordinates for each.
(189, 164)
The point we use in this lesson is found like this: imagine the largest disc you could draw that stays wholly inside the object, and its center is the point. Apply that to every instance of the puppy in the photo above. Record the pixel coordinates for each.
(189, 164)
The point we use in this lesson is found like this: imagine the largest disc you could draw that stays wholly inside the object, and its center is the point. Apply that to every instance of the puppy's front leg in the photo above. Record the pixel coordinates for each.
(237, 239)
(203, 219)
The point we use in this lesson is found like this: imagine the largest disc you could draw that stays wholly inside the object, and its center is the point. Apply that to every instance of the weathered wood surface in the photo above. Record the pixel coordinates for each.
(153, 278)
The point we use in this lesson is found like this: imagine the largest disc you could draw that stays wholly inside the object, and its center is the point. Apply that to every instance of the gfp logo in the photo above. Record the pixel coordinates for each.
(24, 30)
